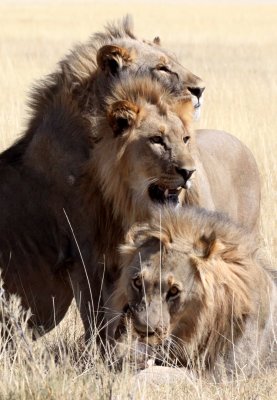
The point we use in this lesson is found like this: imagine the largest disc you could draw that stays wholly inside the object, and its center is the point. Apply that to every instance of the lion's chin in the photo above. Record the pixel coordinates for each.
(163, 195)
(197, 105)
(150, 340)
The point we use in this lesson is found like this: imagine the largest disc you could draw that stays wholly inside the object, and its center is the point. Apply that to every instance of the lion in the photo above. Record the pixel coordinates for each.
(105, 56)
(146, 155)
(44, 165)
(76, 90)
(85, 178)
(194, 282)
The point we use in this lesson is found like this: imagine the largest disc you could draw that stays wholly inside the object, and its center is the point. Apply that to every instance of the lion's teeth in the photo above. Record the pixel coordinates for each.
(188, 184)
(166, 192)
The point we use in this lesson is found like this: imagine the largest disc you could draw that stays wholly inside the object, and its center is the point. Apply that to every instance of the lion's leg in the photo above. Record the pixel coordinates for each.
(48, 295)
(87, 294)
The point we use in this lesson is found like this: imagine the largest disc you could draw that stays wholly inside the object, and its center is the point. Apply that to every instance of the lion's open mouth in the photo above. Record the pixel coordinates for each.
(163, 195)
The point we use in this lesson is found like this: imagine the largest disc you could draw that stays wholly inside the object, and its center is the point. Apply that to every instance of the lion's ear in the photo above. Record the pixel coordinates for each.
(157, 41)
(111, 59)
(133, 238)
(122, 115)
(208, 246)
(184, 109)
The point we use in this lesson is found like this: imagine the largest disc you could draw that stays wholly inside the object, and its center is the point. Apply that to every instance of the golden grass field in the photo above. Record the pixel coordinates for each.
(234, 49)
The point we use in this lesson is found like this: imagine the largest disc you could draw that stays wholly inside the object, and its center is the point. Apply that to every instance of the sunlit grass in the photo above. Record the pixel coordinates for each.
(233, 48)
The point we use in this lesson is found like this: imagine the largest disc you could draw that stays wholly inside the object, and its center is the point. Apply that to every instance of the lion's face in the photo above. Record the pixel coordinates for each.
(148, 153)
(161, 287)
(149, 59)
(159, 152)
(186, 275)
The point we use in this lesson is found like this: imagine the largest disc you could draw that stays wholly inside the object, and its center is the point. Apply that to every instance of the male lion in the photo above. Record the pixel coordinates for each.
(192, 280)
(146, 155)
(81, 190)
(74, 94)
(39, 172)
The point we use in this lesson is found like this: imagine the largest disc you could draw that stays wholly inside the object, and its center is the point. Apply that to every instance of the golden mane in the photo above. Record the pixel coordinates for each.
(184, 228)
(79, 65)
(139, 92)
(233, 284)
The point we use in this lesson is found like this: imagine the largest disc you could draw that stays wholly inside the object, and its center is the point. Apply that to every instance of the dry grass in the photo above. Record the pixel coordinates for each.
(233, 47)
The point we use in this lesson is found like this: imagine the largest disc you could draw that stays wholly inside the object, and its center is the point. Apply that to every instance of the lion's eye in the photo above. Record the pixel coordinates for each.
(156, 140)
(186, 139)
(163, 68)
(137, 282)
(173, 291)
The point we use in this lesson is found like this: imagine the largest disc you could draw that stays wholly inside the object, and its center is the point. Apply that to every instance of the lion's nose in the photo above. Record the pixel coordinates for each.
(185, 173)
(196, 91)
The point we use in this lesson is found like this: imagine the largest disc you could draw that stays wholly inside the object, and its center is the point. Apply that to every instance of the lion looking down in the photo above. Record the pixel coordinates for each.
(37, 249)
(145, 155)
(88, 166)
(142, 157)
(192, 280)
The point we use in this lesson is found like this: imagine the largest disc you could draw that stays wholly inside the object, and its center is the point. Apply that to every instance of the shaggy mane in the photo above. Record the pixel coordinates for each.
(228, 276)
(78, 67)
(121, 29)
(139, 91)
(182, 228)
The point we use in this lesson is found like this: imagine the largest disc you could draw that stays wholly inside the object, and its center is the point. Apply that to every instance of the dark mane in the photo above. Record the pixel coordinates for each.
(119, 30)
(78, 66)
(13, 155)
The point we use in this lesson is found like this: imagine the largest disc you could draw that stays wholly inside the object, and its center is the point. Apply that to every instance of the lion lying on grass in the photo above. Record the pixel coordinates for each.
(39, 173)
(192, 281)
(108, 142)
(147, 155)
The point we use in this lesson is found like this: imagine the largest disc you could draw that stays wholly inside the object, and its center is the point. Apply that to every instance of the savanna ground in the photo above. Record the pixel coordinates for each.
(234, 49)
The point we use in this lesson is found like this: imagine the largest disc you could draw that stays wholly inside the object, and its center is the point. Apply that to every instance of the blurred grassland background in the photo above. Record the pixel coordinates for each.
(233, 47)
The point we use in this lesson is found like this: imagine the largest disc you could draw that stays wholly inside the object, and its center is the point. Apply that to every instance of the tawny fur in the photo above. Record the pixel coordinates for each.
(225, 313)
(70, 163)
(113, 189)
(80, 73)
(38, 250)
(115, 182)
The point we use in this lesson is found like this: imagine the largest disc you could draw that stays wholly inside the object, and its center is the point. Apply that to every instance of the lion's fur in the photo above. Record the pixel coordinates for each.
(35, 244)
(42, 169)
(69, 159)
(114, 182)
(113, 189)
(230, 314)
(79, 74)
(115, 154)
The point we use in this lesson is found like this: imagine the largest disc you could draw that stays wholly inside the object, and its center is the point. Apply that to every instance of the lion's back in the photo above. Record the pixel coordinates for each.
(232, 174)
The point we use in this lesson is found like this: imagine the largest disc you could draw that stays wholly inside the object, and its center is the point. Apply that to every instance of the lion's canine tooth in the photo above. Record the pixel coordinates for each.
(166, 192)
(188, 184)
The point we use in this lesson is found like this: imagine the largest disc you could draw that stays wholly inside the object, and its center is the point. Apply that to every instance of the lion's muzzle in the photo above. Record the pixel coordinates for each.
(185, 173)
(161, 193)
(150, 323)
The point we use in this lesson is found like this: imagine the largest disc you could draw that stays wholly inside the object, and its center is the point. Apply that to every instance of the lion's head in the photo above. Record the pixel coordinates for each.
(116, 50)
(191, 277)
(144, 149)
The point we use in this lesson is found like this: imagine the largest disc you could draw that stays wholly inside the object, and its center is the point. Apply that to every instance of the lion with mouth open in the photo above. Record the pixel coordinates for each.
(138, 153)
(37, 248)
(142, 157)
(193, 282)
(146, 155)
